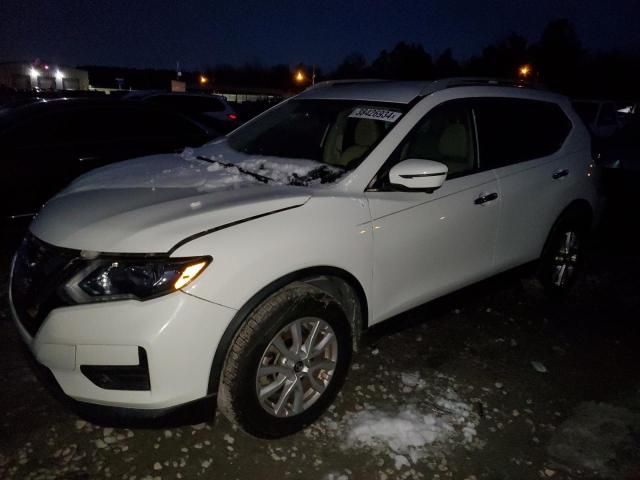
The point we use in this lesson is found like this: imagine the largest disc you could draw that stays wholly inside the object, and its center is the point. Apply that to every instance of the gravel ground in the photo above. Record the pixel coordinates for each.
(495, 382)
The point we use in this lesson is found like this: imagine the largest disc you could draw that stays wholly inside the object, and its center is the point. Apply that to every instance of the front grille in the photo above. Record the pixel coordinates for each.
(39, 273)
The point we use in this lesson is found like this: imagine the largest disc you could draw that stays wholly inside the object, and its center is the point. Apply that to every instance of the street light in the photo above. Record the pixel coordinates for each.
(203, 80)
(524, 71)
(300, 76)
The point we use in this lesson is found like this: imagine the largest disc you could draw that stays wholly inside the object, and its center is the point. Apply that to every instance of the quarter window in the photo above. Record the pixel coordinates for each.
(514, 130)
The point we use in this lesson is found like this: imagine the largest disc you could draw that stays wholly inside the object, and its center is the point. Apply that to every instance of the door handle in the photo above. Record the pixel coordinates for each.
(560, 173)
(485, 198)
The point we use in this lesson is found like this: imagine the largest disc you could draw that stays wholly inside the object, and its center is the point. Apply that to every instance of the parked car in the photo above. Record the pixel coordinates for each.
(47, 143)
(211, 110)
(601, 116)
(622, 149)
(247, 271)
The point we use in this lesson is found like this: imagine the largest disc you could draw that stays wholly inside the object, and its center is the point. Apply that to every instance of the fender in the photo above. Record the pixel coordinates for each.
(221, 351)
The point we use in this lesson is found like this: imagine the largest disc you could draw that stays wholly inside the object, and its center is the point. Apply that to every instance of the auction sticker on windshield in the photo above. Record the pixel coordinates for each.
(373, 113)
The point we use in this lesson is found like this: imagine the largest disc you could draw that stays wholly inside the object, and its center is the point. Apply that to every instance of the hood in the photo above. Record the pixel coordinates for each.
(149, 204)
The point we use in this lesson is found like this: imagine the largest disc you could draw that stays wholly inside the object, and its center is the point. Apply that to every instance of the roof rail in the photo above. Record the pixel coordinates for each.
(348, 81)
(445, 83)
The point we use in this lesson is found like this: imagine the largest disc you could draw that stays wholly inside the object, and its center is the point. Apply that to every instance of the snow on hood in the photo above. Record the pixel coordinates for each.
(151, 203)
(186, 170)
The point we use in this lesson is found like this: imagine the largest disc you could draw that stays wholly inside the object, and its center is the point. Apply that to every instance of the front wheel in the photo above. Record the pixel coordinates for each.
(287, 362)
(562, 261)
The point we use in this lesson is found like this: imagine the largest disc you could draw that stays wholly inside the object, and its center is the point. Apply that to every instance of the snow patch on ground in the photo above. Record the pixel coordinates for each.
(411, 430)
(424, 427)
(404, 432)
(412, 380)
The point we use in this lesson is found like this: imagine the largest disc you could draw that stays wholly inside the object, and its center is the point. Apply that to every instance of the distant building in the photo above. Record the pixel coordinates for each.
(42, 76)
(243, 94)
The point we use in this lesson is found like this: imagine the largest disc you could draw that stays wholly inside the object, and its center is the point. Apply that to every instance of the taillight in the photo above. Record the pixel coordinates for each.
(232, 116)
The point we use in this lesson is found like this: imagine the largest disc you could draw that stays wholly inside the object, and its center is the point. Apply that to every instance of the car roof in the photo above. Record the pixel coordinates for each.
(408, 91)
(370, 90)
(53, 104)
(144, 95)
(38, 106)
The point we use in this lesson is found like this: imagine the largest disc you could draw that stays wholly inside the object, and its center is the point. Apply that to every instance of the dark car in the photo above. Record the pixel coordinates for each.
(600, 116)
(210, 110)
(619, 156)
(47, 143)
(622, 149)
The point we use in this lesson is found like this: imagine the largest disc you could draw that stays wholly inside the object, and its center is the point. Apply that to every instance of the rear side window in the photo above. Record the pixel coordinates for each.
(588, 111)
(188, 104)
(607, 116)
(126, 122)
(101, 123)
(142, 123)
(514, 130)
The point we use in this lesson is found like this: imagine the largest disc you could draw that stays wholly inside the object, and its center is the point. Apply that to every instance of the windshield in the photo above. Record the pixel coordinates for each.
(336, 133)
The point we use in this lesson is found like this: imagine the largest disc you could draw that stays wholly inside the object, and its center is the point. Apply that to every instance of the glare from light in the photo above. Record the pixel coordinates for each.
(299, 77)
(33, 72)
(203, 79)
(189, 274)
(59, 75)
(524, 71)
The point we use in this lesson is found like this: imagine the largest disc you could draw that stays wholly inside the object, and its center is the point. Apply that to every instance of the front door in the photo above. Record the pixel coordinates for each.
(429, 244)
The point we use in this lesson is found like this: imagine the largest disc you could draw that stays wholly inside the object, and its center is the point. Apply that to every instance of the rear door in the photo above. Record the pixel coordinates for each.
(428, 244)
(522, 140)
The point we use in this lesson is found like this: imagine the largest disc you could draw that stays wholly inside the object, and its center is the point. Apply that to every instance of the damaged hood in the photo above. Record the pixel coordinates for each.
(150, 204)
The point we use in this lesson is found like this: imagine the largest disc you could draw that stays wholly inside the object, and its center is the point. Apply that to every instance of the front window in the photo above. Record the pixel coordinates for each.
(337, 133)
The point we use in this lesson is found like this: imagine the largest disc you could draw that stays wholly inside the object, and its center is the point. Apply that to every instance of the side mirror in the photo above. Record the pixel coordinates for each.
(416, 174)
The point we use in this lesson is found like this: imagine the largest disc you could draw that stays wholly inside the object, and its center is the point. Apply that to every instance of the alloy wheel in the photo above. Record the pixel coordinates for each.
(296, 367)
(565, 259)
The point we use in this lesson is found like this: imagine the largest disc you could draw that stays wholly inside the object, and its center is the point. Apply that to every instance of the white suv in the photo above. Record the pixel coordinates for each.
(247, 270)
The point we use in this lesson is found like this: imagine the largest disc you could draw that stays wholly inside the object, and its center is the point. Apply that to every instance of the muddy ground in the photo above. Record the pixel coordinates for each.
(495, 382)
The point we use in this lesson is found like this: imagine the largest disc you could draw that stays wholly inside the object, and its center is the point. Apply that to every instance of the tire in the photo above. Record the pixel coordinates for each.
(272, 383)
(562, 261)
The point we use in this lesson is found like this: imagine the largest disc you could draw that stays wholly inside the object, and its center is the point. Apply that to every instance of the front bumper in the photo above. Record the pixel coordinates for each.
(178, 332)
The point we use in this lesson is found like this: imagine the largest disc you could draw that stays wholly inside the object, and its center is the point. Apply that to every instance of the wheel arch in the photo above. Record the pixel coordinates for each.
(580, 209)
(336, 281)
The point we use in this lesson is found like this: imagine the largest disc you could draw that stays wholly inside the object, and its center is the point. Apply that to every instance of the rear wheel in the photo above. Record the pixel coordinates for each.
(287, 362)
(562, 261)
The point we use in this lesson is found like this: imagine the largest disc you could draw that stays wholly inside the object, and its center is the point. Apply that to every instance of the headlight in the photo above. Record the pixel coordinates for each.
(131, 278)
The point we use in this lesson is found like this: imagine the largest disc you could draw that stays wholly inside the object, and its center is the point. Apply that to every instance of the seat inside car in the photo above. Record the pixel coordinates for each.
(365, 134)
(453, 148)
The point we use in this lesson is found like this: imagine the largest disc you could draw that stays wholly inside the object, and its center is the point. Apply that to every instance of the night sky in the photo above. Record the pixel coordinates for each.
(145, 33)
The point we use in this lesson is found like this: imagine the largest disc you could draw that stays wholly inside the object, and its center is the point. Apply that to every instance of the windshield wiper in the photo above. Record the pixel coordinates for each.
(325, 173)
(257, 176)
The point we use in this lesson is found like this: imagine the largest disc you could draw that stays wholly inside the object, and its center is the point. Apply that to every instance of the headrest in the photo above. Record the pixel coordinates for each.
(453, 142)
(366, 132)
